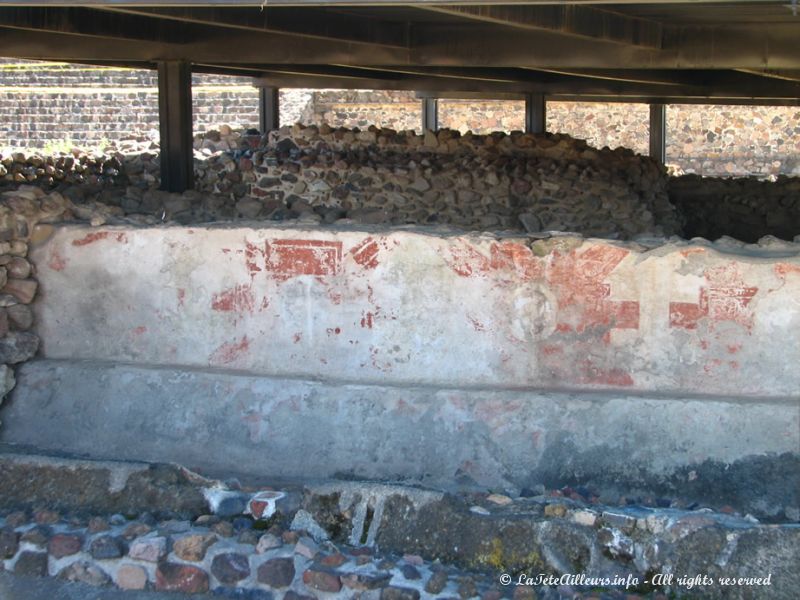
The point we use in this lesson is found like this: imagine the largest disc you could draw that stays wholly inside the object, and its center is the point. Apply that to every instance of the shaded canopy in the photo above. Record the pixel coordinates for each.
(658, 52)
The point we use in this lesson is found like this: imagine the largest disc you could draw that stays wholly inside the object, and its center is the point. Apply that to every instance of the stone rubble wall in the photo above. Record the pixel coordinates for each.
(320, 175)
(712, 140)
(41, 106)
(279, 188)
(519, 182)
(18, 288)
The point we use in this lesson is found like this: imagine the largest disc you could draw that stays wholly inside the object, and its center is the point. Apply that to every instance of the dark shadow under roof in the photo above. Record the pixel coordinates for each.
(715, 52)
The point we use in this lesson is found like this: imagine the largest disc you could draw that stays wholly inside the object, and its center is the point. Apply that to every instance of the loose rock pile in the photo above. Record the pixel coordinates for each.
(519, 182)
(746, 209)
(76, 168)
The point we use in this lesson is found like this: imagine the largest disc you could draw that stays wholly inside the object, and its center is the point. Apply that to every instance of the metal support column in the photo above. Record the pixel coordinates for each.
(535, 113)
(430, 114)
(658, 132)
(268, 109)
(175, 120)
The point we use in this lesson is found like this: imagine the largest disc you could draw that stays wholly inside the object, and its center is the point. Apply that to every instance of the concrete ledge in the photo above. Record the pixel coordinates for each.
(741, 453)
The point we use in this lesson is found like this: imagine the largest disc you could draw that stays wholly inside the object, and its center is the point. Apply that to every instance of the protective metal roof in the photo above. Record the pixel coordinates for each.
(660, 51)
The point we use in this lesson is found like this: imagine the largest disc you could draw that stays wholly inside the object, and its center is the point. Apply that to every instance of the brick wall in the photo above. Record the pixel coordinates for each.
(52, 105)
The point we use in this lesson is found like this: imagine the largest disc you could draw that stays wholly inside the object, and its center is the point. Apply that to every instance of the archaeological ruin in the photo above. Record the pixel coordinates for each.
(363, 300)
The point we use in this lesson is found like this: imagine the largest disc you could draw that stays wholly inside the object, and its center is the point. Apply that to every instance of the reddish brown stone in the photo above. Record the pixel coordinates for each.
(333, 560)
(46, 517)
(64, 544)
(230, 567)
(193, 547)
(324, 581)
(277, 573)
(171, 577)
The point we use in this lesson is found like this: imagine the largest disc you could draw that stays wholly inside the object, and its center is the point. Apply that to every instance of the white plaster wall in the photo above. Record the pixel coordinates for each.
(406, 307)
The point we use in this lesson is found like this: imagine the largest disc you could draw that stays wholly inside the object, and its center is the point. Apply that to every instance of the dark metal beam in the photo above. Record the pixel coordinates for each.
(782, 75)
(269, 109)
(443, 95)
(720, 47)
(82, 34)
(233, 70)
(719, 100)
(430, 114)
(658, 132)
(572, 20)
(175, 119)
(94, 24)
(315, 23)
(643, 76)
(436, 86)
(535, 113)
(338, 72)
(305, 3)
(81, 37)
(502, 80)
(517, 96)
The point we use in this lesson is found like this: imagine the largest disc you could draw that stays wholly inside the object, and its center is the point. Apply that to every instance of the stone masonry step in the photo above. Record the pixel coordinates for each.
(353, 539)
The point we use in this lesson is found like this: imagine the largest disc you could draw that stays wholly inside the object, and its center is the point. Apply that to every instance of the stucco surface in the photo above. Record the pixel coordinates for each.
(413, 308)
(228, 424)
